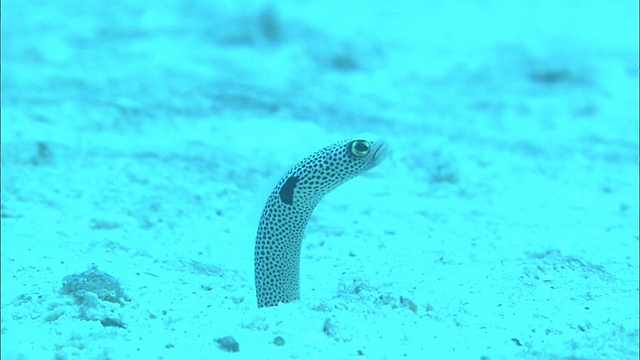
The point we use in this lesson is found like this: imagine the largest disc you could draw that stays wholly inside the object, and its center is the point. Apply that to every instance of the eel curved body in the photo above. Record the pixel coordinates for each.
(289, 206)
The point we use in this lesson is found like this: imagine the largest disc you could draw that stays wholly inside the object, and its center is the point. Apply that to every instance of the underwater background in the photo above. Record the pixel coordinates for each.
(140, 139)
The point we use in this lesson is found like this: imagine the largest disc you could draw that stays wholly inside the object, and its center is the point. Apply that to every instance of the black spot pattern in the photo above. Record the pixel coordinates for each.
(287, 211)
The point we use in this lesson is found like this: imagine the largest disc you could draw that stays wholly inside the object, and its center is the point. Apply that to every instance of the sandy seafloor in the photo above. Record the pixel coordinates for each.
(139, 139)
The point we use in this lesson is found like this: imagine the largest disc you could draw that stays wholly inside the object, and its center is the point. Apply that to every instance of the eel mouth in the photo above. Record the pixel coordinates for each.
(380, 150)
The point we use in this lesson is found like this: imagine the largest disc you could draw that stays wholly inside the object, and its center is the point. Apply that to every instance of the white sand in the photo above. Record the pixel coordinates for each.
(142, 139)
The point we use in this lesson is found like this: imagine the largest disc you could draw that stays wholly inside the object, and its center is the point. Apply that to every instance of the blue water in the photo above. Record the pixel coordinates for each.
(139, 142)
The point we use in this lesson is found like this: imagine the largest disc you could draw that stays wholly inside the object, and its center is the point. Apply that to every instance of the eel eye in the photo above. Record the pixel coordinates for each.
(360, 148)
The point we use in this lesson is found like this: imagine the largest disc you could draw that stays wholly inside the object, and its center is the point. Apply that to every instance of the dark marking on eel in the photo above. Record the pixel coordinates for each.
(286, 191)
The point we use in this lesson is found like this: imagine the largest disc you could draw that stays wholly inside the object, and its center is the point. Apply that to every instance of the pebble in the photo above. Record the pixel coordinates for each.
(228, 344)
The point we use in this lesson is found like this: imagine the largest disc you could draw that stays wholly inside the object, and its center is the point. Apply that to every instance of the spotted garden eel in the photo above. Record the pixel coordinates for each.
(289, 206)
